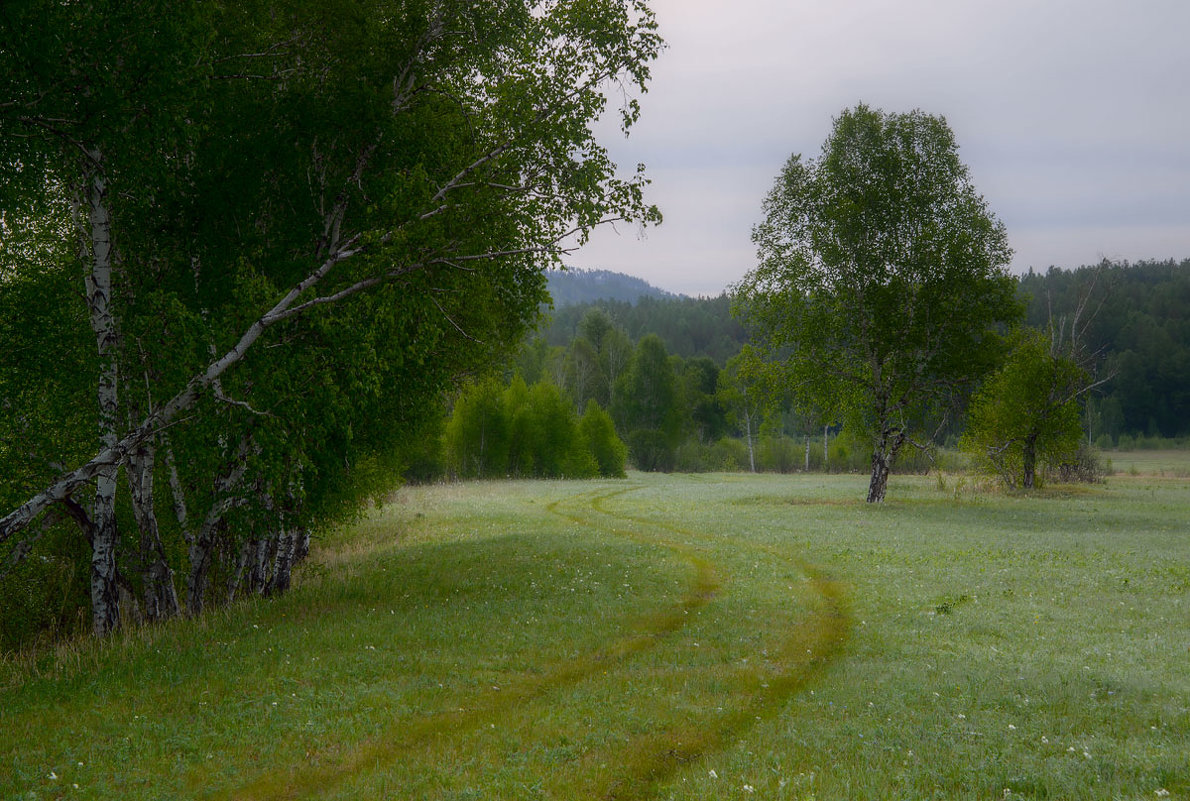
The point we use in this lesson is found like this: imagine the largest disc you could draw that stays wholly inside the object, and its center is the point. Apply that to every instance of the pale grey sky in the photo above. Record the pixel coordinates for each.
(1072, 115)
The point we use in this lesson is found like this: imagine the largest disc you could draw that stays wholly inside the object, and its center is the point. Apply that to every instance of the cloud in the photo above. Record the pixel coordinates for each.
(1071, 114)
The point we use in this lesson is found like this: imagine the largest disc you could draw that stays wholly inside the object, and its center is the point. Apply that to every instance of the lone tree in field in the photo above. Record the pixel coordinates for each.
(1028, 411)
(882, 277)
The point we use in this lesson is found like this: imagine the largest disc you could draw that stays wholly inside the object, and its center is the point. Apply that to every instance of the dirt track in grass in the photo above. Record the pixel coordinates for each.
(634, 765)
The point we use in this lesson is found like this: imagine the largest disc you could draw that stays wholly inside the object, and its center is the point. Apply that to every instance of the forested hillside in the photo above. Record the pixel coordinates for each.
(572, 286)
(1138, 320)
(688, 326)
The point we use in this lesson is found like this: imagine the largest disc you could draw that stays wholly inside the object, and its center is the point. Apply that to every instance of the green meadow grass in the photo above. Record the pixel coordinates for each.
(1172, 463)
(668, 637)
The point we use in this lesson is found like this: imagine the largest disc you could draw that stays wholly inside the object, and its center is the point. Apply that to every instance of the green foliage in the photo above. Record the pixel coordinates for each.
(1139, 324)
(689, 327)
(325, 215)
(1027, 414)
(599, 432)
(477, 434)
(529, 432)
(651, 450)
(882, 277)
(646, 406)
(44, 595)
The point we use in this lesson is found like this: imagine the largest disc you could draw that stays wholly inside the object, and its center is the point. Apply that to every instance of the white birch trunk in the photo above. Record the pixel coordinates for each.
(110, 456)
(751, 439)
(883, 456)
(283, 564)
(105, 596)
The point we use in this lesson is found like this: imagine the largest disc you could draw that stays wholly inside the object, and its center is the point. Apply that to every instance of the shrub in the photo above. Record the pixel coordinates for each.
(729, 455)
(608, 450)
(778, 454)
(1084, 467)
(650, 450)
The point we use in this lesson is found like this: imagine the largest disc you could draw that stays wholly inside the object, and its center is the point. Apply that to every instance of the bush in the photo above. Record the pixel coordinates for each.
(1084, 468)
(608, 450)
(779, 454)
(730, 455)
(725, 456)
(47, 593)
(650, 450)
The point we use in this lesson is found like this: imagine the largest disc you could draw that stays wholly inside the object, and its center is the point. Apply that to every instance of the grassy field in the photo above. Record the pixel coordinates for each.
(1172, 463)
(668, 637)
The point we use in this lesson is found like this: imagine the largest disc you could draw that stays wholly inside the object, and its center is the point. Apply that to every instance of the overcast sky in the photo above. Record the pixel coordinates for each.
(1072, 115)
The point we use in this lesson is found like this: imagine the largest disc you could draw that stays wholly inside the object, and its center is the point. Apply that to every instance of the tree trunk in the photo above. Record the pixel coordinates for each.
(202, 547)
(826, 430)
(807, 453)
(105, 595)
(260, 556)
(883, 456)
(283, 564)
(1030, 460)
(301, 547)
(160, 593)
(751, 440)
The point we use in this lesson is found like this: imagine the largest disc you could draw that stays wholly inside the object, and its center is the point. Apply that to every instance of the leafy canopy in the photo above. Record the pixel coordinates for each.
(882, 274)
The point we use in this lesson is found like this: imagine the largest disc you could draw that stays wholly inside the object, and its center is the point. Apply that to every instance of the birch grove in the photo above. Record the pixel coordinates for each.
(292, 228)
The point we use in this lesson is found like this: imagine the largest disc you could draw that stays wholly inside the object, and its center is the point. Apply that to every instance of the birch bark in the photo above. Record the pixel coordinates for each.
(105, 597)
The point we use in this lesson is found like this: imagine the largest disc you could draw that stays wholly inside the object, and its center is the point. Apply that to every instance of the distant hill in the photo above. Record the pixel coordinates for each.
(574, 287)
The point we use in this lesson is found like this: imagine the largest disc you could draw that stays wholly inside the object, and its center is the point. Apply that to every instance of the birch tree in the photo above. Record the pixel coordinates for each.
(882, 276)
(243, 173)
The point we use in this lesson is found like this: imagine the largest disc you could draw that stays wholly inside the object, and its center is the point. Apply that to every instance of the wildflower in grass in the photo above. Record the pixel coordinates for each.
(749, 788)
(1163, 793)
(713, 774)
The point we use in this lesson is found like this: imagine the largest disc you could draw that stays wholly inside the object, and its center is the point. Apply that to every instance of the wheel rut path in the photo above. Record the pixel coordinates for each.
(643, 763)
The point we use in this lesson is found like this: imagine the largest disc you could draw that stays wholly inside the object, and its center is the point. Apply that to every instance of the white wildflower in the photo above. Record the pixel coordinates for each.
(749, 788)
(713, 774)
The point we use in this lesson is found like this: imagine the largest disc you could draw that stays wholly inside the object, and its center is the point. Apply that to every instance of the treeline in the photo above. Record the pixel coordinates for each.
(1138, 321)
(689, 327)
(661, 411)
(674, 376)
(1136, 318)
(575, 285)
(518, 431)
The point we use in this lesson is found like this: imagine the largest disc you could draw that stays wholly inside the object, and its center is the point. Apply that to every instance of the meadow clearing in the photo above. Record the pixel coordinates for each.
(665, 636)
